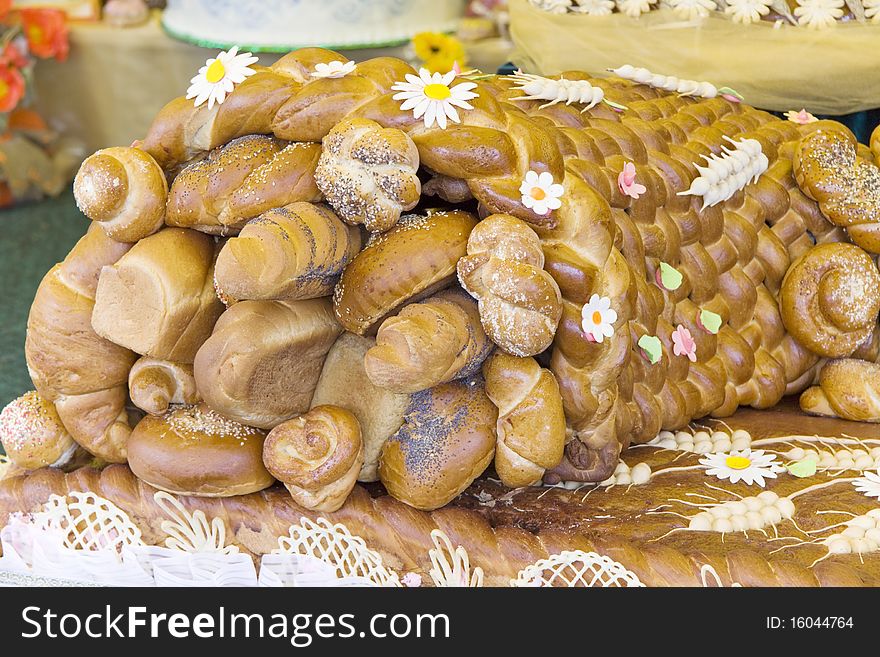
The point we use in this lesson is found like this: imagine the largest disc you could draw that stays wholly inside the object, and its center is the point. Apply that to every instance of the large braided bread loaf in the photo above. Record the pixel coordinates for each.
(731, 256)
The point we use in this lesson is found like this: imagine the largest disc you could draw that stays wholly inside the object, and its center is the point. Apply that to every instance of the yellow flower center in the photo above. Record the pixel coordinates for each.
(737, 462)
(437, 91)
(215, 72)
(597, 317)
(538, 194)
(4, 89)
(35, 33)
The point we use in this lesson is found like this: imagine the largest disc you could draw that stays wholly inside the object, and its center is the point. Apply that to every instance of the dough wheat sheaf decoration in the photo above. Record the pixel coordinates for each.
(422, 273)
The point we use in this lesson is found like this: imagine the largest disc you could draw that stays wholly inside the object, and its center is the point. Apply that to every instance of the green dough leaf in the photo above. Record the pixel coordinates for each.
(650, 344)
(805, 468)
(710, 321)
(670, 278)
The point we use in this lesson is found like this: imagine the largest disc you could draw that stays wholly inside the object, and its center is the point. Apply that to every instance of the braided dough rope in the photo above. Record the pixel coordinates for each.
(731, 258)
(402, 535)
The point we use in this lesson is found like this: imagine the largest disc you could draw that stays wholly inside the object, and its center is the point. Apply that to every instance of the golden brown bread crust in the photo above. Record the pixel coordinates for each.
(428, 343)
(520, 303)
(158, 299)
(369, 173)
(32, 434)
(155, 384)
(531, 422)
(344, 383)
(447, 440)
(262, 362)
(123, 189)
(296, 251)
(192, 450)
(83, 374)
(830, 299)
(317, 456)
(848, 389)
(411, 261)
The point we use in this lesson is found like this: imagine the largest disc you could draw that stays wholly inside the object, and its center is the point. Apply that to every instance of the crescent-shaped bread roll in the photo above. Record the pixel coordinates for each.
(848, 389)
(155, 384)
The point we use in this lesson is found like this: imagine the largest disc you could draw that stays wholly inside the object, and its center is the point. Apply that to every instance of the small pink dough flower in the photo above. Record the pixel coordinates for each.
(626, 181)
(411, 580)
(683, 343)
(802, 118)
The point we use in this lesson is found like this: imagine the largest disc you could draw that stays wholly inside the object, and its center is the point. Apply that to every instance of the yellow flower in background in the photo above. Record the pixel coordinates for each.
(438, 51)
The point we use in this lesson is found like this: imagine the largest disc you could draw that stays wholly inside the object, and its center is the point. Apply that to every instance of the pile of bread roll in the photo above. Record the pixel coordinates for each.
(305, 284)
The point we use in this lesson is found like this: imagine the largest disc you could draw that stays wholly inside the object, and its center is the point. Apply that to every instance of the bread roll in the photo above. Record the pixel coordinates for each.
(294, 252)
(317, 456)
(428, 343)
(848, 389)
(520, 303)
(531, 422)
(240, 181)
(446, 441)
(72, 366)
(124, 190)
(194, 451)
(32, 434)
(411, 261)
(158, 300)
(369, 173)
(154, 385)
(344, 383)
(261, 364)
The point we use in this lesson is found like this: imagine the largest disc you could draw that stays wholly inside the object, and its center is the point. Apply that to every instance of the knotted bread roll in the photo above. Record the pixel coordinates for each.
(369, 173)
(32, 434)
(848, 389)
(830, 299)
(124, 190)
(520, 304)
(72, 366)
(158, 300)
(155, 384)
(191, 450)
(409, 262)
(297, 251)
(428, 343)
(531, 422)
(447, 440)
(317, 456)
(262, 362)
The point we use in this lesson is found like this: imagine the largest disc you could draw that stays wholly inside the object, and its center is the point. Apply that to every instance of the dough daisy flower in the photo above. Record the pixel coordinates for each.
(540, 194)
(219, 76)
(597, 318)
(750, 467)
(626, 182)
(683, 343)
(802, 118)
(869, 484)
(334, 69)
(433, 97)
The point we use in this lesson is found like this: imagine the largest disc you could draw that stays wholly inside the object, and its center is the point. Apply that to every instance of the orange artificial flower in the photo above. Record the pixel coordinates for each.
(5, 6)
(12, 56)
(46, 32)
(11, 88)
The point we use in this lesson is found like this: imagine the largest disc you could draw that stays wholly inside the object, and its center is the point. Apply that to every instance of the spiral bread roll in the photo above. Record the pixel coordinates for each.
(447, 440)
(520, 304)
(317, 456)
(411, 261)
(830, 299)
(32, 434)
(831, 171)
(531, 421)
(369, 173)
(192, 450)
(155, 384)
(344, 383)
(72, 366)
(428, 343)
(124, 190)
(240, 181)
(297, 251)
(262, 362)
(848, 389)
(158, 299)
